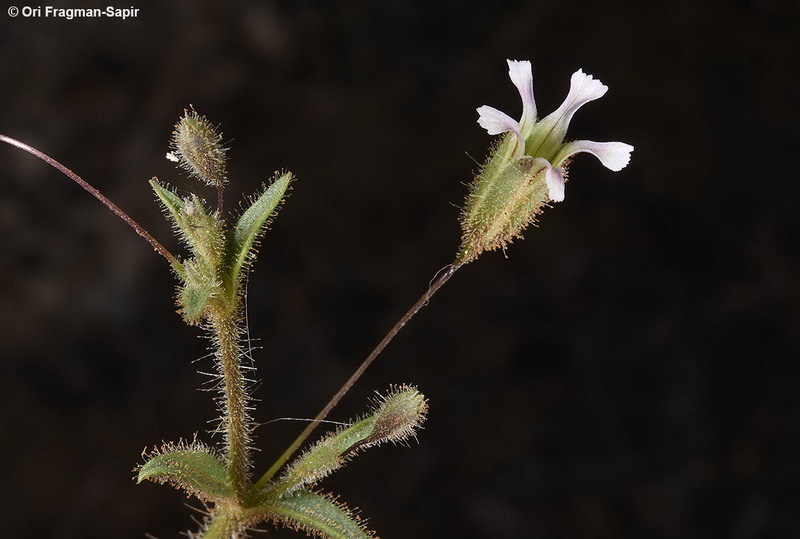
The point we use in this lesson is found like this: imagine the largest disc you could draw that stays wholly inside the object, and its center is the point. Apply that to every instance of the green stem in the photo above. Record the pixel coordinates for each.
(421, 302)
(223, 526)
(235, 420)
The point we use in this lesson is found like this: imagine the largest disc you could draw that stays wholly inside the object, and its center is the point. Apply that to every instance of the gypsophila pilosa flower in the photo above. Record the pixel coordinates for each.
(527, 169)
(544, 139)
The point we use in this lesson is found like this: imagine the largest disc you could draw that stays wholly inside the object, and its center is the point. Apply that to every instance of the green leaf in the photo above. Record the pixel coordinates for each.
(199, 229)
(316, 514)
(202, 231)
(194, 297)
(323, 458)
(194, 300)
(172, 202)
(195, 470)
(252, 222)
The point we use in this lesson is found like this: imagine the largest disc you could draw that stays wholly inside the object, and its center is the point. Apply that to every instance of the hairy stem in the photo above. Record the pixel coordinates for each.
(235, 419)
(160, 249)
(420, 303)
(223, 525)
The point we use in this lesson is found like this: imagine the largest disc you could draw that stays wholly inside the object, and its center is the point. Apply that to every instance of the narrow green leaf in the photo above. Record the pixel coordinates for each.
(323, 458)
(199, 229)
(202, 231)
(171, 201)
(194, 470)
(316, 514)
(173, 204)
(251, 223)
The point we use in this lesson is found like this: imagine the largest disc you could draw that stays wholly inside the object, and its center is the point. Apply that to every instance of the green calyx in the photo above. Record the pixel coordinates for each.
(505, 197)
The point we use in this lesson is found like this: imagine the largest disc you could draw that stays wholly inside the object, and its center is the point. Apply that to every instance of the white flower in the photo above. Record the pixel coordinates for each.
(545, 138)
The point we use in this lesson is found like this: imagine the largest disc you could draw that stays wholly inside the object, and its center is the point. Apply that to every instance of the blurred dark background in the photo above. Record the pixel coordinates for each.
(631, 370)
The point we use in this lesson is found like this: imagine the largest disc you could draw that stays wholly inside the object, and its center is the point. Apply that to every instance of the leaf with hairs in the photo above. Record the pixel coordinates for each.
(252, 223)
(192, 468)
(316, 514)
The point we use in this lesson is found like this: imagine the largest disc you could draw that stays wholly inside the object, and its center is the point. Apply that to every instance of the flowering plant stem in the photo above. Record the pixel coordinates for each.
(420, 303)
(222, 526)
(160, 249)
(237, 429)
(522, 175)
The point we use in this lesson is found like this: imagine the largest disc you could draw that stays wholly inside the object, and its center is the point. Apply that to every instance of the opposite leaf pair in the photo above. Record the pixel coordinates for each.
(219, 256)
(201, 472)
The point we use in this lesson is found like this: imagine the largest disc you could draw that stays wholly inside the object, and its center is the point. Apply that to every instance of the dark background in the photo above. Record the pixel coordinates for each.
(631, 370)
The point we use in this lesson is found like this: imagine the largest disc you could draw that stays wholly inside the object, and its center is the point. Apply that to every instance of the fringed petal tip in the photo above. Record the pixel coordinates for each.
(613, 155)
(495, 121)
(518, 66)
(616, 156)
(585, 88)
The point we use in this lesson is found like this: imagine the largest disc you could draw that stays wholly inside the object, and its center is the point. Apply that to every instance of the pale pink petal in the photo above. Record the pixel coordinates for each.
(583, 89)
(614, 155)
(554, 178)
(521, 75)
(495, 121)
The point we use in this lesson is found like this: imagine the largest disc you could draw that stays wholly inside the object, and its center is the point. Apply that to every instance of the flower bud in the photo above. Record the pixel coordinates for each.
(398, 416)
(395, 419)
(198, 149)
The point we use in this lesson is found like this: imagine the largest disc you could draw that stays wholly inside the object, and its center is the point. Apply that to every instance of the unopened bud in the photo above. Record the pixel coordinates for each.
(398, 416)
(395, 418)
(198, 148)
